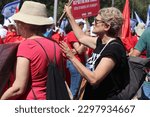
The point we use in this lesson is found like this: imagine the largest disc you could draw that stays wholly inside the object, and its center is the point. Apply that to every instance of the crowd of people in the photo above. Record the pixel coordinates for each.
(94, 57)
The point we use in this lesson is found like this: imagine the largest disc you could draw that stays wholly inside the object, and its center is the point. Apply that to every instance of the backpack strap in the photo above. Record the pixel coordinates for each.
(43, 49)
(35, 97)
(54, 60)
(54, 54)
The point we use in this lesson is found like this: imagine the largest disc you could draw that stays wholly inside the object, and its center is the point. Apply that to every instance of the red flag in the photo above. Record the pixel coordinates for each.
(126, 31)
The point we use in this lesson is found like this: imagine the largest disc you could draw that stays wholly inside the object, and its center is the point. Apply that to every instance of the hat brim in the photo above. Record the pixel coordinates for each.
(30, 19)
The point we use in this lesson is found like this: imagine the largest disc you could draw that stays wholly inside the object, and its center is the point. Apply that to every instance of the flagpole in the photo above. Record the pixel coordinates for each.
(55, 10)
(64, 13)
(112, 3)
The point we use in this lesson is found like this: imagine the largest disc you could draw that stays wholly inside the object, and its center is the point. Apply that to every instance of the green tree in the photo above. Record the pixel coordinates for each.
(141, 7)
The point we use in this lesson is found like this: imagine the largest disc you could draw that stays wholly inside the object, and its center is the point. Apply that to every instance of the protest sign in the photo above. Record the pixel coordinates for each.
(85, 8)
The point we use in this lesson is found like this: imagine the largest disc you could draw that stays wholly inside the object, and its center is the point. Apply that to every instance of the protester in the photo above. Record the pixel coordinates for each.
(79, 52)
(49, 30)
(142, 45)
(1, 41)
(12, 35)
(32, 62)
(64, 23)
(57, 35)
(135, 35)
(107, 69)
(54, 33)
(3, 32)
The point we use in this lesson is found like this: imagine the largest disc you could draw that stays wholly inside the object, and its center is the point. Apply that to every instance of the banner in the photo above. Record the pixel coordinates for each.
(10, 8)
(85, 8)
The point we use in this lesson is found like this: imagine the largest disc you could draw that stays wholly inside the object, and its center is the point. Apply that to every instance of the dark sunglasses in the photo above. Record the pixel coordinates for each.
(98, 21)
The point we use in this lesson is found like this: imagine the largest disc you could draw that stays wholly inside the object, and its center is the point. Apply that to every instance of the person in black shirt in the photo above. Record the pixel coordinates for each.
(104, 71)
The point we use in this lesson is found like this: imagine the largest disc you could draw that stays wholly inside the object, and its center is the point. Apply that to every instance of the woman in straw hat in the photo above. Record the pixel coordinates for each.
(32, 62)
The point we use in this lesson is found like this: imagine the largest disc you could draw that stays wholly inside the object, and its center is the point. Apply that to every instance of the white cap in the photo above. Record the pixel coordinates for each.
(80, 21)
(52, 19)
(8, 22)
(3, 32)
(1, 26)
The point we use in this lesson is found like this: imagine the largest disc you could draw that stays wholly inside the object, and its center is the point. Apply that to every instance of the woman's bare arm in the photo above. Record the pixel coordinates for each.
(20, 84)
(81, 36)
(93, 77)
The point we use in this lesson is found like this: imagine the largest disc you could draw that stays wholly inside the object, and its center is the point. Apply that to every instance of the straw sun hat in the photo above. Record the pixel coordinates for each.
(33, 13)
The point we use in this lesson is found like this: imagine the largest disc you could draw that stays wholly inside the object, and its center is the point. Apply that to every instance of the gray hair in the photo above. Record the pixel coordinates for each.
(113, 17)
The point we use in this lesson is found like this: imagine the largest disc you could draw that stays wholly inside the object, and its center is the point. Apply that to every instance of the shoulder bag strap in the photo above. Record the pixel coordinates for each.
(103, 49)
(106, 45)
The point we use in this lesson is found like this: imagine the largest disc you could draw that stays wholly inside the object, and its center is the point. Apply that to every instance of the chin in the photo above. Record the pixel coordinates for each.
(94, 32)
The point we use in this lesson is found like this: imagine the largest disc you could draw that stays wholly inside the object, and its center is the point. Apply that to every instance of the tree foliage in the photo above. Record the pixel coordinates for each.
(140, 6)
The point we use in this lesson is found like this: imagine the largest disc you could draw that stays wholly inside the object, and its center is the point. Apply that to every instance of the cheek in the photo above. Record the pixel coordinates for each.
(18, 31)
(98, 30)
(95, 29)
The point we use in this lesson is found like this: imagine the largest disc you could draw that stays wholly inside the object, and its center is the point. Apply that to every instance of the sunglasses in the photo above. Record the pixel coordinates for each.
(98, 21)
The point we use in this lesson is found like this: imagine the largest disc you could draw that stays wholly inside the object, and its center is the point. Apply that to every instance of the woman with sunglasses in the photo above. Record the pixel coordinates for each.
(106, 69)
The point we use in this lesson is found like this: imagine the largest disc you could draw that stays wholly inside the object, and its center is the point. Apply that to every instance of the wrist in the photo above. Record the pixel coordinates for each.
(72, 58)
(70, 16)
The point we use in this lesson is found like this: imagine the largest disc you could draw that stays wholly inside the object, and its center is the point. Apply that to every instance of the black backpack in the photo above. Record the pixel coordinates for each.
(135, 78)
(137, 74)
(55, 87)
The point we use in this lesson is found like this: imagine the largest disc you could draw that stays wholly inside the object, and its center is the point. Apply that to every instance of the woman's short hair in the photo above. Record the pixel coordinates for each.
(113, 17)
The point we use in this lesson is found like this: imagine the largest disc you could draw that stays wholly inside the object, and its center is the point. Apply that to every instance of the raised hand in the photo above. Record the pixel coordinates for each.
(67, 10)
(66, 50)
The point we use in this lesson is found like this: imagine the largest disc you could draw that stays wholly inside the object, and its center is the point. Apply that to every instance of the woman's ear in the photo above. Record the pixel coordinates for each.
(107, 27)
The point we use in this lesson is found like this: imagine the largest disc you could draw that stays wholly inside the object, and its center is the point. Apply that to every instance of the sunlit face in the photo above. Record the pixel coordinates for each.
(99, 26)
